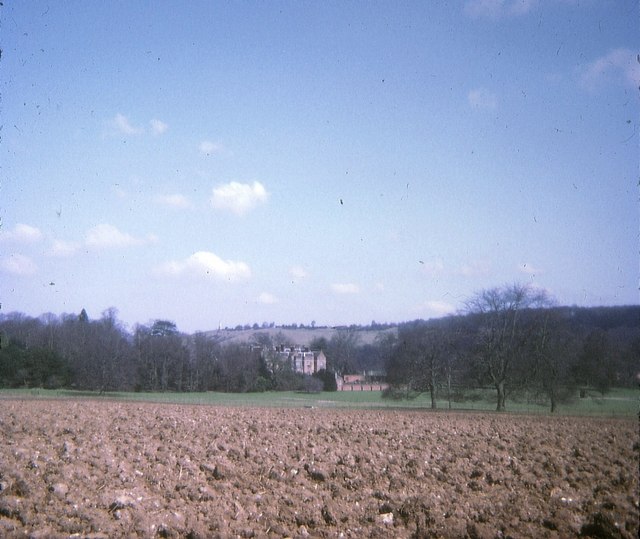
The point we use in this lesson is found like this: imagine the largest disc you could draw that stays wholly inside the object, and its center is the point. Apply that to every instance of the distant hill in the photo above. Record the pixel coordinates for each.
(300, 336)
(582, 318)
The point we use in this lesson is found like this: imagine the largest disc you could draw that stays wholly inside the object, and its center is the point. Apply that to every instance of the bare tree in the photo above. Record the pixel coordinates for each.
(342, 350)
(418, 360)
(595, 364)
(504, 330)
(162, 357)
(201, 362)
(111, 353)
(554, 351)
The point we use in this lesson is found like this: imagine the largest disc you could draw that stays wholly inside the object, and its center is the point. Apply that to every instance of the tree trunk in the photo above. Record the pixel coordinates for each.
(432, 391)
(164, 375)
(552, 396)
(501, 396)
(432, 379)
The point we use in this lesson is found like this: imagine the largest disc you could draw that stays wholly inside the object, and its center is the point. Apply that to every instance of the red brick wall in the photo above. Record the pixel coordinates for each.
(363, 387)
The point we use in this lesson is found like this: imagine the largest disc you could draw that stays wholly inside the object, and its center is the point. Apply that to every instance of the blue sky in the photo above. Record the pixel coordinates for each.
(337, 162)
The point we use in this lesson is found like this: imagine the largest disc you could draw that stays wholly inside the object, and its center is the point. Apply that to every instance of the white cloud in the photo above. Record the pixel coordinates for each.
(498, 9)
(238, 198)
(432, 267)
(298, 272)
(267, 298)
(17, 264)
(119, 191)
(207, 147)
(345, 288)
(23, 234)
(63, 248)
(101, 236)
(158, 126)
(209, 265)
(122, 124)
(481, 98)
(176, 201)
(106, 235)
(438, 308)
(528, 269)
(475, 268)
(617, 65)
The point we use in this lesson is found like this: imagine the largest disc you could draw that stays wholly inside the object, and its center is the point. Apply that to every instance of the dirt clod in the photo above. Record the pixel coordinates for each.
(600, 526)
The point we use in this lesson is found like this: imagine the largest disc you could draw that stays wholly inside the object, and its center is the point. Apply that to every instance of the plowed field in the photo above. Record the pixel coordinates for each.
(108, 469)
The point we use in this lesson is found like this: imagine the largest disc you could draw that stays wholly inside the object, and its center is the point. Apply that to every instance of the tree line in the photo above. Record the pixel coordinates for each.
(510, 338)
(513, 339)
(75, 352)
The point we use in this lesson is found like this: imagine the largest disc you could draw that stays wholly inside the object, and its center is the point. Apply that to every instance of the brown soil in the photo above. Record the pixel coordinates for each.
(105, 469)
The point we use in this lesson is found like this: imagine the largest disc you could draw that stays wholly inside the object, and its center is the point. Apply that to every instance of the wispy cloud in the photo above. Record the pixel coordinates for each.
(108, 236)
(208, 265)
(22, 233)
(158, 127)
(498, 9)
(209, 148)
(266, 298)
(432, 267)
(345, 288)
(63, 248)
(124, 125)
(119, 191)
(481, 98)
(176, 201)
(475, 268)
(298, 272)
(619, 65)
(437, 308)
(101, 236)
(239, 198)
(18, 264)
(438, 268)
(528, 269)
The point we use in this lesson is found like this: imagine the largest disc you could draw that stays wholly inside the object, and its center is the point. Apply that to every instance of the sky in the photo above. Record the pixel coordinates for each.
(224, 163)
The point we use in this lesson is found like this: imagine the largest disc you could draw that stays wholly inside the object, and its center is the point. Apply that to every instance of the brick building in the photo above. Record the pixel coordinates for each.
(301, 359)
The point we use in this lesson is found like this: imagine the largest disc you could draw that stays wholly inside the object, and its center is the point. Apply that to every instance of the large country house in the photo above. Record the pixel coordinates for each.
(306, 361)
(301, 359)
